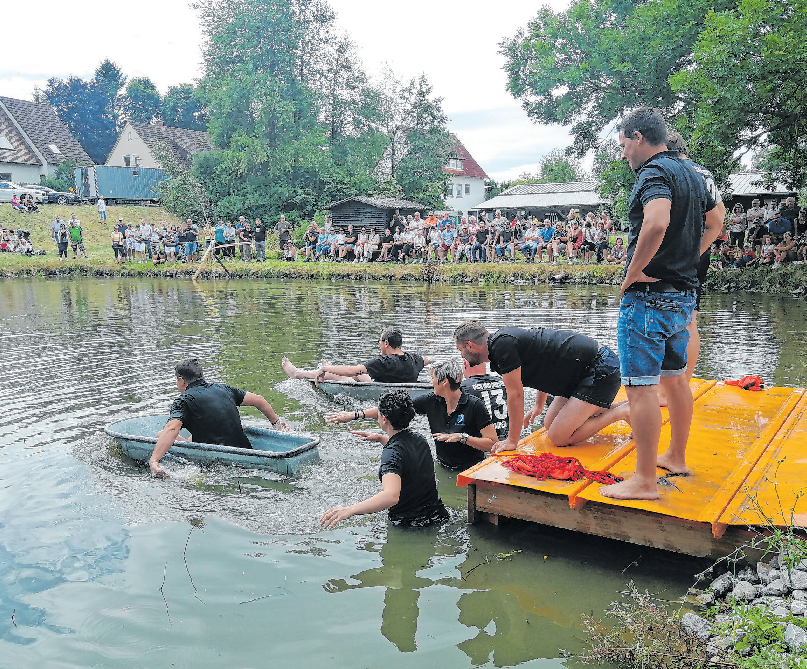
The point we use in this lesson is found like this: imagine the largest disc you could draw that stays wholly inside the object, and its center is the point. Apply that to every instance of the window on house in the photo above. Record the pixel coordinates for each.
(4, 143)
(127, 160)
(454, 164)
(55, 149)
(467, 189)
(459, 190)
(135, 161)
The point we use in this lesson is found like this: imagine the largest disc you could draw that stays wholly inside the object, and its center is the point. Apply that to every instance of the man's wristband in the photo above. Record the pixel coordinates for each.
(464, 439)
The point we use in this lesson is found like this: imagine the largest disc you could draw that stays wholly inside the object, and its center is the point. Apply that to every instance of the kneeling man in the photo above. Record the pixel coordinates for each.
(582, 375)
(209, 411)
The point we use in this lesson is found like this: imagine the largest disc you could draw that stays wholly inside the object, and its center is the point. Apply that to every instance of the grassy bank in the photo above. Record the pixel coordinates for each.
(787, 279)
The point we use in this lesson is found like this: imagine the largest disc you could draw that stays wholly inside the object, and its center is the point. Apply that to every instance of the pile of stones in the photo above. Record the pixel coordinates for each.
(778, 590)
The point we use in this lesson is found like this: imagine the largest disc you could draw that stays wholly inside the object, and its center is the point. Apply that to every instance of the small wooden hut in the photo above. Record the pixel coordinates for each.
(370, 212)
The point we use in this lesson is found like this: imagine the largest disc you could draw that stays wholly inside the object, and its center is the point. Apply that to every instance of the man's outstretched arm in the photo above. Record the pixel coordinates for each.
(165, 440)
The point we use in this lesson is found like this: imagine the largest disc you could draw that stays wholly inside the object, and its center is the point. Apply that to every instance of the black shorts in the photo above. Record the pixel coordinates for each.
(602, 381)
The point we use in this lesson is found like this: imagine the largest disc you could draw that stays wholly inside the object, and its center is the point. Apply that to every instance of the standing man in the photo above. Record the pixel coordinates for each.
(76, 236)
(673, 218)
(246, 236)
(283, 230)
(260, 240)
(101, 210)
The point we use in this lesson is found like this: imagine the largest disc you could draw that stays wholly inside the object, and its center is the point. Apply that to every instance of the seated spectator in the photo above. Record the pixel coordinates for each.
(756, 231)
(420, 249)
(25, 247)
(435, 241)
(607, 225)
(397, 244)
(373, 244)
(779, 226)
(545, 235)
(530, 244)
(560, 239)
(348, 244)
(715, 260)
(616, 256)
(408, 244)
(600, 241)
(481, 241)
(747, 257)
(784, 250)
(28, 204)
(462, 244)
(727, 255)
(767, 256)
(16, 205)
(505, 244)
(312, 242)
(576, 238)
(290, 252)
(387, 241)
(801, 248)
(323, 245)
(473, 226)
(447, 234)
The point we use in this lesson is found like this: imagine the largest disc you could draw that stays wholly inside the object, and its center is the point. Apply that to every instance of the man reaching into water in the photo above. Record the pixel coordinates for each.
(209, 411)
(392, 366)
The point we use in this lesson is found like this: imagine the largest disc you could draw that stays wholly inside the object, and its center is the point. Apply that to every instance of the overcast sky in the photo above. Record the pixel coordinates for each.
(454, 44)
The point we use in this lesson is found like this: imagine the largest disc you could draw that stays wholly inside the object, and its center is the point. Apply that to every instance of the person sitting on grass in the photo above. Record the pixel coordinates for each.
(290, 252)
(16, 205)
(747, 257)
(616, 255)
(784, 250)
(460, 424)
(392, 366)
(408, 482)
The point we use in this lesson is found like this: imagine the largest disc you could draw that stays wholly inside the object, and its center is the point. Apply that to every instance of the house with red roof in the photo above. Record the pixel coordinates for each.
(466, 182)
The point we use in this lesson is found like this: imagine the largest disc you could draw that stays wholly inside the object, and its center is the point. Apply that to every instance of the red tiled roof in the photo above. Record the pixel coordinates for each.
(470, 168)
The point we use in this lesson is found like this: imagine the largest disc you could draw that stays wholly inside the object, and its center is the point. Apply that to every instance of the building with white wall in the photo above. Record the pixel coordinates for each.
(466, 184)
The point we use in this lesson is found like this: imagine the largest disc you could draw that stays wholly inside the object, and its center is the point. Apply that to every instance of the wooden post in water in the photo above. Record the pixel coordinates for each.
(207, 252)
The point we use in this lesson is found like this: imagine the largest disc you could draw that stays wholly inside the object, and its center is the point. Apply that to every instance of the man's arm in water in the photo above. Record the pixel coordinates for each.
(165, 440)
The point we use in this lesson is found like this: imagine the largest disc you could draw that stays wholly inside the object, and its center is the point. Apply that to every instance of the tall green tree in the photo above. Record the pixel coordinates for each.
(720, 70)
(88, 107)
(141, 102)
(182, 108)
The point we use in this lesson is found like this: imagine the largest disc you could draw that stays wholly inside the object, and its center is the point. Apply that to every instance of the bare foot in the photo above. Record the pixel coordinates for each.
(290, 369)
(672, 465)
(631, 489)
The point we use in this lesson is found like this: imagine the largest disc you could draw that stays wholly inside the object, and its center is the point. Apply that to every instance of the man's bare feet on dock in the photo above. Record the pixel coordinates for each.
(630, 489)
(290, 369)
(672, 465)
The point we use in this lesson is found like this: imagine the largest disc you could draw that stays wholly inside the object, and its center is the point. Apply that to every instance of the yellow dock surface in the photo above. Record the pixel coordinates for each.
(747, 453)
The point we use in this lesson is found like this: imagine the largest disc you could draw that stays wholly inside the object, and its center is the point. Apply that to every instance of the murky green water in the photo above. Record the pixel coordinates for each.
(102, 566)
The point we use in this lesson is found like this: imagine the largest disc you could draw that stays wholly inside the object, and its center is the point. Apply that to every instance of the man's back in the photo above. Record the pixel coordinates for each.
(209, 411)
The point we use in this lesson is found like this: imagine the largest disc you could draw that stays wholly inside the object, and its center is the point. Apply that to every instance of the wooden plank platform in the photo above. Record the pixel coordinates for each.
(748, 462)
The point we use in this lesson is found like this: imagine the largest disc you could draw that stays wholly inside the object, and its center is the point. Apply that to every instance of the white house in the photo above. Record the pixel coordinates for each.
(34, 142)
(135, 146)
(466, 184)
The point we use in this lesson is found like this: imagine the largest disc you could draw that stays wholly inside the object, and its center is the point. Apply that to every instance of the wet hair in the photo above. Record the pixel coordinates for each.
(189, 370)
(471, 331)
(396, 406)
(646, 121)
(393, 336)
(675, 142)
(450, 370)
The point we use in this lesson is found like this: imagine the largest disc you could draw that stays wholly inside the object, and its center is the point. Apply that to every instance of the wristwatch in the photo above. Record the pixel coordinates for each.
(464, 439)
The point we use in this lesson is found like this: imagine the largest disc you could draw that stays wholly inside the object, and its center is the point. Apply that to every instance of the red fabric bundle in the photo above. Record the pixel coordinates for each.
(548, 466)
(748, 383)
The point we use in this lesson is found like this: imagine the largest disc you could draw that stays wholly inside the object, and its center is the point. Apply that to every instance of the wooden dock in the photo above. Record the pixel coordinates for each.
(747, 453)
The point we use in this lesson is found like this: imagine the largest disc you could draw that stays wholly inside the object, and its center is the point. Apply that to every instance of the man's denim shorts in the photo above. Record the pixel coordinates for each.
(652, 335)
(190, 248)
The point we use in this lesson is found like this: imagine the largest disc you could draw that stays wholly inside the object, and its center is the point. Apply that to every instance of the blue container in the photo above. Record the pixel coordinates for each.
(119, 184)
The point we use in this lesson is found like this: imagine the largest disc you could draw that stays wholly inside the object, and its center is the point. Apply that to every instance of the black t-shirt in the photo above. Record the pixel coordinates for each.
(209, 411)
(666, 176)
(470, 417)
(260, 233)
(190, 235)
(387, 238)
(490, 389)
(407, 454)
(247, 234)
(505, 236)
(182, 237)
(551, 361)
(395, 368)
(481, 236)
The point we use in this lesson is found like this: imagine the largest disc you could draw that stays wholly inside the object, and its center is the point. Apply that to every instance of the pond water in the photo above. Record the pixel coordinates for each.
(104, 566)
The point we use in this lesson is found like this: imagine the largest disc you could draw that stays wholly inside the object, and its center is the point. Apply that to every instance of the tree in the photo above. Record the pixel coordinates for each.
(559, 167)
(88, 108)
(727, 73)
(63, 178)
(141, 103)
(182, 108)
(181, 193)
(615, 179)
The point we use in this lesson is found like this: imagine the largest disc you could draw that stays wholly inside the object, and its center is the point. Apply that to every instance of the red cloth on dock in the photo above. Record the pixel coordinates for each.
(548, 466)
(748, 383)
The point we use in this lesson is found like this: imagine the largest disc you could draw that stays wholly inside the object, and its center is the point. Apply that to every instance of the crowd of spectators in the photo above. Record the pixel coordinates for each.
(763, 235)
(440, 238)
(16, 241)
